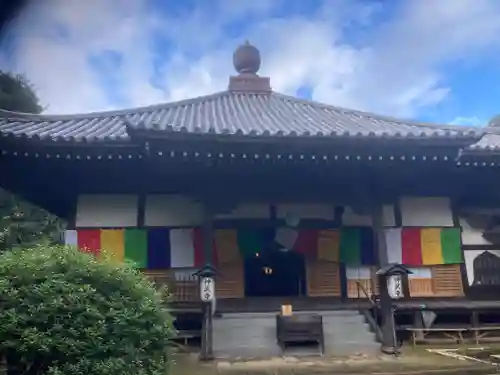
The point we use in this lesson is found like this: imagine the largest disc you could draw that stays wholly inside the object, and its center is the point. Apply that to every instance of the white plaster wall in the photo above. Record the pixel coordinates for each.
(426, 212)
(358, 273)
(420, 273)
(247, 211)
(351, 218)
(472, 235)
(100, 211)
(172, 210)
(388, 218)
(305, 211)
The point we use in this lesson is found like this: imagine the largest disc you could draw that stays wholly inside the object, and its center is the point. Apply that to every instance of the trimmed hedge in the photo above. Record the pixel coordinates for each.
(64, 312)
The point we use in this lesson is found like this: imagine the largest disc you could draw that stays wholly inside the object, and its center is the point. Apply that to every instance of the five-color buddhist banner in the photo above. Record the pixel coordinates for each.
(159, 248)
(155, 248)
(424, 246)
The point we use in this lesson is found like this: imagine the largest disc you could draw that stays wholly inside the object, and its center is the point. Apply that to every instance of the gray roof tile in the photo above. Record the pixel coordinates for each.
(77, 128)
(228, 112)
(490, 141)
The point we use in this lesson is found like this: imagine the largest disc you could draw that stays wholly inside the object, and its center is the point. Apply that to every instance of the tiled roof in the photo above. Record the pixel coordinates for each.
(490, 141)
(248, 108)
(228, 112)
(74, 128)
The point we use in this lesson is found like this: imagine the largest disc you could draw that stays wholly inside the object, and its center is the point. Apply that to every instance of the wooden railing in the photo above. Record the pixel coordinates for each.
(367, 293)
(372, 319)
(323, 280)
(181, 284)
(356, 288)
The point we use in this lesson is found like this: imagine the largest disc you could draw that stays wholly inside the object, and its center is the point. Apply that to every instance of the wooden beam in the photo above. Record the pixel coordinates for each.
(389, 344)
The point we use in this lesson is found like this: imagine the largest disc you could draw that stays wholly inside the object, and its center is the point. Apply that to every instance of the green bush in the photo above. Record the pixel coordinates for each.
(63, 312)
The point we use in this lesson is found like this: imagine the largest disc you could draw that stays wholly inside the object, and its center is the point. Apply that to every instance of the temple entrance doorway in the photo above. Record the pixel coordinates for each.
(277, 273)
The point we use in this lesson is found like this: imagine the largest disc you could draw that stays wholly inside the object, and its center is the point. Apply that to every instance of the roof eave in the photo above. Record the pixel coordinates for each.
(66, 141)
(480, 152)
(143, 133)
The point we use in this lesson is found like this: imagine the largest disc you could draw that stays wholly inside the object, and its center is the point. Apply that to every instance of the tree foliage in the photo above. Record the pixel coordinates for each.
(21, 223)
(17, 94)
(64, 312)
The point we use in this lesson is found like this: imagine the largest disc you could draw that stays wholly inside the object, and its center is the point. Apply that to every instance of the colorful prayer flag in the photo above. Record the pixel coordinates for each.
(226, 245)
(451, 246)
(251, 241)
(182, 248)
(307, 243)
(71, 237)
(368, 256)
(394, 246)
(136, 247)
(328, 245)
(199, 248)
(411, 243)
(430, 240)
(350, 246)
(357, 246)
(158, 248)
(112, 244)
(162, 248)
(424, 246)
(89, 241)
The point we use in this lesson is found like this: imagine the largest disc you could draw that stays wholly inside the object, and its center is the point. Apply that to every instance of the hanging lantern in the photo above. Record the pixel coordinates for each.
(267, 270)
(292, 220)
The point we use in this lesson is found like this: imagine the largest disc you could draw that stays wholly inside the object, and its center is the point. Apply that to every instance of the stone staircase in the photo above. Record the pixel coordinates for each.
(245, 335)
(346, 333)
(253, 335)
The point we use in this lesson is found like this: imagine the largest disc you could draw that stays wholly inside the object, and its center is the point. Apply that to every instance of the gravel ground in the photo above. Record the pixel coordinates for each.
(415, 362)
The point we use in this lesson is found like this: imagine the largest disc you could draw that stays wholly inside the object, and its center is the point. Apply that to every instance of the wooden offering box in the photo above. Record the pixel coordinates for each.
(299, 328)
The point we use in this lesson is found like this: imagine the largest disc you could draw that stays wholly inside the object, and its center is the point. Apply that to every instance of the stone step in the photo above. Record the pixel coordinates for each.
(245, 335)
(359, 337)
(347, 327)
(302, 351)
(348, 333)
(339, 313)
(265, 315)
(254, 335)
(350, 316)
(348, 322)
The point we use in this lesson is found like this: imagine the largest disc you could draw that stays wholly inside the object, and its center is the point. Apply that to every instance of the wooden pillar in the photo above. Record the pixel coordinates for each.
(208, 234)
(474, 319)
(208, 240)
(387, 315)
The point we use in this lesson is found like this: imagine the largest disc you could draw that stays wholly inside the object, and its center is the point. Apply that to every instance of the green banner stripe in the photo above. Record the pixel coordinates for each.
(136, 247)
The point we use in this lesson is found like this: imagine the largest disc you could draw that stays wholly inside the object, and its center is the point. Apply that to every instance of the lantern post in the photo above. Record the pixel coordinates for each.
(206, 278)
(391, 286)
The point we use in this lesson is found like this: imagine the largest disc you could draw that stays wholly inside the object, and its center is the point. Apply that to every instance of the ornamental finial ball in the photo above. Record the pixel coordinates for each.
(246, 59)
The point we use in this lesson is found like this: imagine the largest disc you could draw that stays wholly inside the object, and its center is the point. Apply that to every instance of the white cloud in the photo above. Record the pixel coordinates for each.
(57, 39)
(395, 67)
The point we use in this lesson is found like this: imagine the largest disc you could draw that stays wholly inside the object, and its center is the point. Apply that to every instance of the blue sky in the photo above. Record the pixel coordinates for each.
(435, 61)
